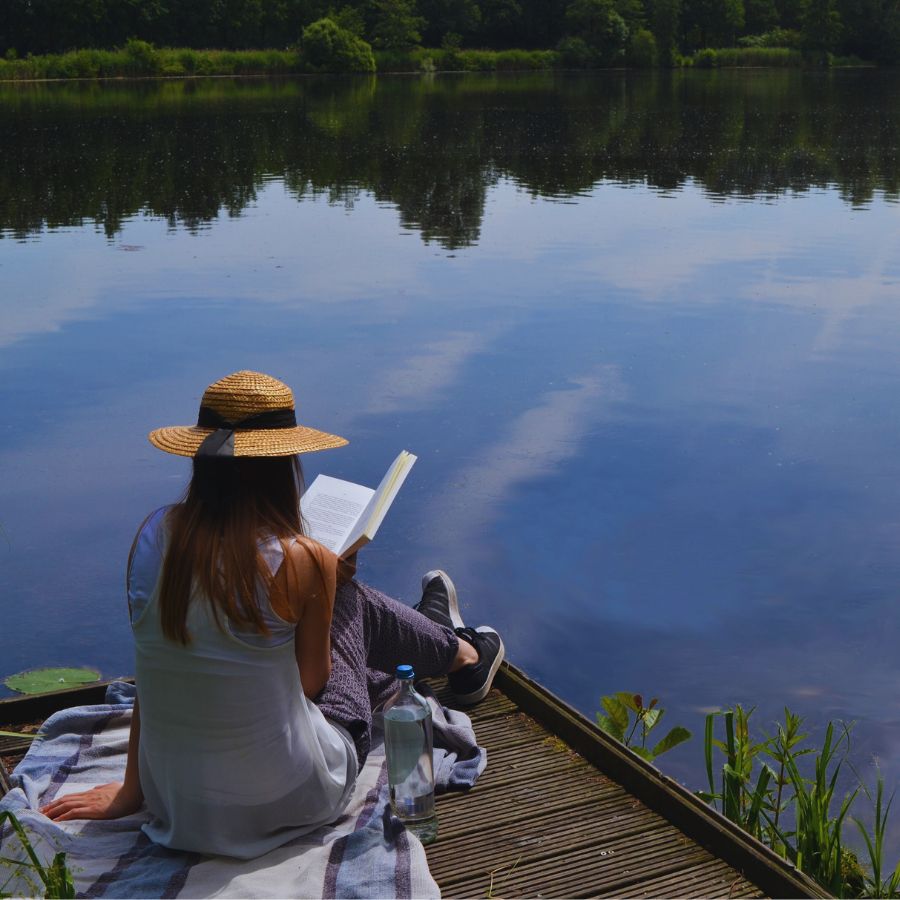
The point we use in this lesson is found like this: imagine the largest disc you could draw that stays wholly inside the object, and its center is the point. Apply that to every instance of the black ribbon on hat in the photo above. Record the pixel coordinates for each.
(221, 441)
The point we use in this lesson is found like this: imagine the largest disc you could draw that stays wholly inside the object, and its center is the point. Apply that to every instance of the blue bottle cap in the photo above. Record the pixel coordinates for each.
(405, 672)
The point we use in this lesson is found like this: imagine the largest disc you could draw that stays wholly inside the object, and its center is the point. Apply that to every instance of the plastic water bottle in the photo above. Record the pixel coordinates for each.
(408, 744)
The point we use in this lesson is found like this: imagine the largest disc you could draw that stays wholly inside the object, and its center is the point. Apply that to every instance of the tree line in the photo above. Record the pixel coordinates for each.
(587, 32)
(432, 149)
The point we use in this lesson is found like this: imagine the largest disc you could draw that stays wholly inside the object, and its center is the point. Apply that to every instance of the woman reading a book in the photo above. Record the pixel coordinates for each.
(259, 658)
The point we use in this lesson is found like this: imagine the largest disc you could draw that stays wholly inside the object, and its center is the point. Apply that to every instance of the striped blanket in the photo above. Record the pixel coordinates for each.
(366, 853)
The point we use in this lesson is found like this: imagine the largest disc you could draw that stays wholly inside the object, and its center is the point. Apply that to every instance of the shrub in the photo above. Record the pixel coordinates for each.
(142, 58)
(777, 37)
(575, 53)
(641, 51)
(329, 48)
(706, 58)
(761, 57)
(188, 60)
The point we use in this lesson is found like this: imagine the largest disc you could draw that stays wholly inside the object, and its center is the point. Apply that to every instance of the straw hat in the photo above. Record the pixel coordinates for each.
(244, 414)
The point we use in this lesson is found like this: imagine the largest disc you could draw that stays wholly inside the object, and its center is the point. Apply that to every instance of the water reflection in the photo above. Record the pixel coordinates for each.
(640, 330)
(186, 151)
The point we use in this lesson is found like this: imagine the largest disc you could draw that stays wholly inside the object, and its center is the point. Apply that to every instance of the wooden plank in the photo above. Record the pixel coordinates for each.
(556, 835)
(5, 786)
(10, 746)
(527, 785)
(495, 815)
(583, 870)
(688, 813)
(714, 878)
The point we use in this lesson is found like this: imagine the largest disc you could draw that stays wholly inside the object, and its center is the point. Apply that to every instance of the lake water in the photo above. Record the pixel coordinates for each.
(641, 330)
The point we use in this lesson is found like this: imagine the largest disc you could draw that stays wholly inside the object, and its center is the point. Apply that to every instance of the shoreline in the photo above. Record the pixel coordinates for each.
(147, 63)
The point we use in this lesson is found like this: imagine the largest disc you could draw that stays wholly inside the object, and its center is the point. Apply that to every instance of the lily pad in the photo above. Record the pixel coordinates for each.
(41, 681)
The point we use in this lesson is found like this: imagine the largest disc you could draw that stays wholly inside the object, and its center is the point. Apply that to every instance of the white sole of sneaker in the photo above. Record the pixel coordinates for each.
(455, 617)
(481, 693)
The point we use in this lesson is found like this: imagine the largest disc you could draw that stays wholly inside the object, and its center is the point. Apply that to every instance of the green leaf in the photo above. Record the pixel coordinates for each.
(603, 723)
(629, 701)
(708, 744)
(651, 716)
(41, 681)
(644, 753)
(618, 715)
(678, 735)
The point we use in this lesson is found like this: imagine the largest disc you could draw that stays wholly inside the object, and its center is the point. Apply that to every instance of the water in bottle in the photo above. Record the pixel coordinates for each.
(408, 745)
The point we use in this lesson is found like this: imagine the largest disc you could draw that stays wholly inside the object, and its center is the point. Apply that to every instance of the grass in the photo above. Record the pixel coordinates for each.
(745, 57)
(422, 59)
(139, 59)
(56, 878)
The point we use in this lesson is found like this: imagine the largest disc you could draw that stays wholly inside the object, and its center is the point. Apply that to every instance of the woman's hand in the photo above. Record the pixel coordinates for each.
(105, 801)
(346, 569)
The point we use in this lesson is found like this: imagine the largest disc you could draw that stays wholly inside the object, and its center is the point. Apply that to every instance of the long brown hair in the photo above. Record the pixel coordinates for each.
(229, 505)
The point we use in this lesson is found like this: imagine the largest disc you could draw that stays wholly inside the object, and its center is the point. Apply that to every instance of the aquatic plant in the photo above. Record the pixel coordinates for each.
(618, 723)
(56, 877)
(876, 884)
(39, 681)
(762, 799)
(736, 799)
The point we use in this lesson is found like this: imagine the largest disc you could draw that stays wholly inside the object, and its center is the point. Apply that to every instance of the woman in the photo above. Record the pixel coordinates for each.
(258, 658)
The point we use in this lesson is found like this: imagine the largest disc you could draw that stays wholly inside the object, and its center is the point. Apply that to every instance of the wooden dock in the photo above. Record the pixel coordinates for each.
(561, 811)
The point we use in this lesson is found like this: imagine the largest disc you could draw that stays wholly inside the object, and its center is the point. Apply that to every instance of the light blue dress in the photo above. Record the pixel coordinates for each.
(234, 759)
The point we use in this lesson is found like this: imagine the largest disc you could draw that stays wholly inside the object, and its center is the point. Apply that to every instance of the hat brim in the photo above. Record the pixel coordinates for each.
(185, 440)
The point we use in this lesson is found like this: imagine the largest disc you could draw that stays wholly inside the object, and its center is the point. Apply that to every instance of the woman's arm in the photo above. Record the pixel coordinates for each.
(309, 584)
(106, 801)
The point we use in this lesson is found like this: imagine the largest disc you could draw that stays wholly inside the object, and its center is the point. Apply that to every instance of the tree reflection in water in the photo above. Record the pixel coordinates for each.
(186, 150)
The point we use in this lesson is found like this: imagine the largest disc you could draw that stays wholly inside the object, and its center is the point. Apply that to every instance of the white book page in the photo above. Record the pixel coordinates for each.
(381, 500)
(331, 509)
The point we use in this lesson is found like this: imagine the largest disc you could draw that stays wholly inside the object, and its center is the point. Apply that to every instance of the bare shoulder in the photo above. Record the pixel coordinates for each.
(308, 577)
(305, 551)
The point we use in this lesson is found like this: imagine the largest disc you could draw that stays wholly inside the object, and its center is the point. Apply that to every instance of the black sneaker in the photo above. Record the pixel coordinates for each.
(439, 601)
(472, 683)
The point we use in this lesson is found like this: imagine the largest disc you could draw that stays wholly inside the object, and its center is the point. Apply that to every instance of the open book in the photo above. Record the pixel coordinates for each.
(342, 515)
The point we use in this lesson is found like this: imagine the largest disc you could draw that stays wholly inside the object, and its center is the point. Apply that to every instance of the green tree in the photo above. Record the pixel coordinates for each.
(241, 23)
(760, 16)
(790, 13)
(329, 48)
(712, 23)
(633, 13)
(501, 22)
(461, 17)
(665, 23)
(821, 25)
(597, 23)
(641, 53)
(396, 25)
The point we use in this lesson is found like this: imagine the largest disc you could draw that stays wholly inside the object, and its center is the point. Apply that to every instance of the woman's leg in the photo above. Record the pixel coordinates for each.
(371, 634)
(396, 634)
(345, 697)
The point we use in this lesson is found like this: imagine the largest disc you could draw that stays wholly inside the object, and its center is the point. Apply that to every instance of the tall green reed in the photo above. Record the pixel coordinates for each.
(55, 877)
(876, 884)
(737, 798)
(798, 815)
